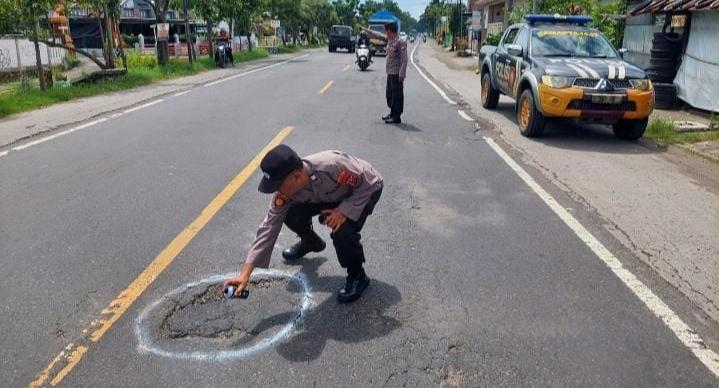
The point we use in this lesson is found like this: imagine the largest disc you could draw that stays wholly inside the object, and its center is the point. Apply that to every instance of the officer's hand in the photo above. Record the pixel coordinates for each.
(334, 219)
(401, 80)
(241, 280)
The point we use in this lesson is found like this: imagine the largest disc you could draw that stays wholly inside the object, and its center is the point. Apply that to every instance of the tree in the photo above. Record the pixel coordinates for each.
(29, 13)
(346, 11)
(106, 10)
(160, 8)
(606, 17)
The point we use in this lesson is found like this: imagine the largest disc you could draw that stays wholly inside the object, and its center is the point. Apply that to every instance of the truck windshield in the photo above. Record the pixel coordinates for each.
(343, 31)
(571, 43)
(377, 27)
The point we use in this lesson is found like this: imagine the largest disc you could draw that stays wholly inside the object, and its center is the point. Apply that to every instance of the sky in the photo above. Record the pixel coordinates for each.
(415, 7)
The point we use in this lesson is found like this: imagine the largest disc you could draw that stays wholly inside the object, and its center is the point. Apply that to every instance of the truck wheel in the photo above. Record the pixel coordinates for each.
(490, 96)
(630, 129)
(530, 119)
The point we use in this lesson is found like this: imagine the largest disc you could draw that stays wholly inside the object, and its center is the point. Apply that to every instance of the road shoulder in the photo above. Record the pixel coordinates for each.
(662, 206)
(29, 124)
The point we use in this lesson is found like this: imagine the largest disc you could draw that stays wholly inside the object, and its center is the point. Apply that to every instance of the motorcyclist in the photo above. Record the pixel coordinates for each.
(224, 38)
(363, 39)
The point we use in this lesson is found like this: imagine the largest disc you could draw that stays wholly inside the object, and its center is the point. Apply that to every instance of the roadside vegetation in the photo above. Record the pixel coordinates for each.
(664, 131)
(141, 70)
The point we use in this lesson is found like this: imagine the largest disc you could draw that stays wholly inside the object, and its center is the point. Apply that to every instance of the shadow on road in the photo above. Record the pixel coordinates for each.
(407, 127)
(356, 322)
(567, 134)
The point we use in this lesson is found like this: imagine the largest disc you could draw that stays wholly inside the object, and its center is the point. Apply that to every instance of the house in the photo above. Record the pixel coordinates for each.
(676, 42)
(136, 17)
(491, 15)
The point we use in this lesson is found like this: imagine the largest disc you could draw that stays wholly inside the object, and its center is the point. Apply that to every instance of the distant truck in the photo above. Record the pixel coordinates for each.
(341, 37)
(377, 23)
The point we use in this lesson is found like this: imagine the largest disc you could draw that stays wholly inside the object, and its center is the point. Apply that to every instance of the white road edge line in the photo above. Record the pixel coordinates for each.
(437, 88)
(684, 333)
(151, 103)
(253, 71)
(465, 115)
(3, 153)
(178, 94)
(56, 135)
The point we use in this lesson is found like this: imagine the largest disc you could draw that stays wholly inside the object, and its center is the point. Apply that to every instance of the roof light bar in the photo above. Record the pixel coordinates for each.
(556, 18)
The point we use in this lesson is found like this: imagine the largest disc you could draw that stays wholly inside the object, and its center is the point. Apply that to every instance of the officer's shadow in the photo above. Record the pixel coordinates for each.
(355, 322)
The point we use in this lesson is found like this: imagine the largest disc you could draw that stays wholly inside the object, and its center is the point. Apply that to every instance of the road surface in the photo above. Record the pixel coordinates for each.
(475, 280)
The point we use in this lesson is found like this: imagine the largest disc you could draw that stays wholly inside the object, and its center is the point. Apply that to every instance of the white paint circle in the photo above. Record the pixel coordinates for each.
(146, 345)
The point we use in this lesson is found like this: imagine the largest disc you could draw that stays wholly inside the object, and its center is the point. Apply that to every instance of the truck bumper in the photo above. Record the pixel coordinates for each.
(581, 103)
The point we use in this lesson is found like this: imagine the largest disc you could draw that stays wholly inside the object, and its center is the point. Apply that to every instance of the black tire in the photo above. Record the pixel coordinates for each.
(659, 54)
(661, 75)
(665, 96)
(663, 63)
(671, 37)
(630, 129)
(490, 96)
(534, 125)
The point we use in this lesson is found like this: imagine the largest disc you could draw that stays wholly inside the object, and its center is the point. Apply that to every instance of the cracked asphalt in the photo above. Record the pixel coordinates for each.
(475, 281)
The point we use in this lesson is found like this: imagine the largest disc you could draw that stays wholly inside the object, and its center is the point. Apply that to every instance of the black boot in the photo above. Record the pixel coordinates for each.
(353, 289)
(301, 248)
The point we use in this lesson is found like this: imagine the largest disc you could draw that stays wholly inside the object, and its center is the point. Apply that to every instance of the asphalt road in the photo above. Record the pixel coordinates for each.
(476, 282)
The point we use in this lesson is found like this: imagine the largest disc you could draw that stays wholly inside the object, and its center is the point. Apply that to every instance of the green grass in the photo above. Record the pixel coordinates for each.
(142, 70)
(664, 132)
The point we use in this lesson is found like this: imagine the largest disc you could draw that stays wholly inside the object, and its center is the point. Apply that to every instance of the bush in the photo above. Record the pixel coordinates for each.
(460, 44)
(493, 40)
(135, 59)
(603, 14)
(130, 40)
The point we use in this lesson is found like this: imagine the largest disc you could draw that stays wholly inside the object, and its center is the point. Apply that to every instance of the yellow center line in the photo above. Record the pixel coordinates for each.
(326, 87)
(127, 297)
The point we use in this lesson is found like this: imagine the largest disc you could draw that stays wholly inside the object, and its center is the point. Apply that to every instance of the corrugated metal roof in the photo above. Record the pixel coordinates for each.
(661, 6)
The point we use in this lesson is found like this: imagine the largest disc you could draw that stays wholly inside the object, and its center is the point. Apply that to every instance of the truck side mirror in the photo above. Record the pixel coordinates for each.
(514, 50)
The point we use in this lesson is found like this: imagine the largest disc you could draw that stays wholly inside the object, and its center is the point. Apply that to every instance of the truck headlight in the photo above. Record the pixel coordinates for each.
(644, 85)
(557, 82)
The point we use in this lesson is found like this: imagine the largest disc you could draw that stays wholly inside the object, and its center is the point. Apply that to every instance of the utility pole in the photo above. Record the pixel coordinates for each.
(534, 6)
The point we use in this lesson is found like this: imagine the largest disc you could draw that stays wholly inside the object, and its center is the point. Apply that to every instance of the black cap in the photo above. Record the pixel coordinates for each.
(276, 166)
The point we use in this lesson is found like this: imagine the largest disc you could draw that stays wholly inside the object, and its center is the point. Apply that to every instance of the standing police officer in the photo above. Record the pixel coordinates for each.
(343, 188)
(396, 67)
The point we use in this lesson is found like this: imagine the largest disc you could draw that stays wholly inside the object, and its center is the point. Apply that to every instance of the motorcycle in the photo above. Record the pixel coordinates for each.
(223, 54)
(363, 57)
(424, 38)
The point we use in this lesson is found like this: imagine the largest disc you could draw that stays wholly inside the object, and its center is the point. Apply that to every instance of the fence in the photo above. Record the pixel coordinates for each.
(17, 53)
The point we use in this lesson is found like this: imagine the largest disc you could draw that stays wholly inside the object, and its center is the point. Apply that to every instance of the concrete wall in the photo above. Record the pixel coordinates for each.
(638, 34)
(9, 54)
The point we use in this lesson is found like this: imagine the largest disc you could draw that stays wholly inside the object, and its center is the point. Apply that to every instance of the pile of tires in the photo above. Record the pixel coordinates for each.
(663, 66)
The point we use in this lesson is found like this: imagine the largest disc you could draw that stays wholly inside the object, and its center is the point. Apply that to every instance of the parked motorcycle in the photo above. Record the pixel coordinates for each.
(363, 57)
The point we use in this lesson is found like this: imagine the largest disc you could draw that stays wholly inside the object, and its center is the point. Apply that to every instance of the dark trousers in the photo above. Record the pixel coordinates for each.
(395, 95)
(346, 239)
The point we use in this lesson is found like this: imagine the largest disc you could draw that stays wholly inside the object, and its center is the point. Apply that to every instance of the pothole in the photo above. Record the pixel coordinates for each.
(196, 321)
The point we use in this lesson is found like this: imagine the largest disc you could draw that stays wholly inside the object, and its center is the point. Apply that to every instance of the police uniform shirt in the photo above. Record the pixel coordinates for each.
(335, 177)
(396, 63)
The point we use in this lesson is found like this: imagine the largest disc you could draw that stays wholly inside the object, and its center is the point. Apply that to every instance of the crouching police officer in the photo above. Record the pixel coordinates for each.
(343, 188)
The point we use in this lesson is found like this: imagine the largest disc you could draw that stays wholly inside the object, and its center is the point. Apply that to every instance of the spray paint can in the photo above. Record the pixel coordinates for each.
(230, 293)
